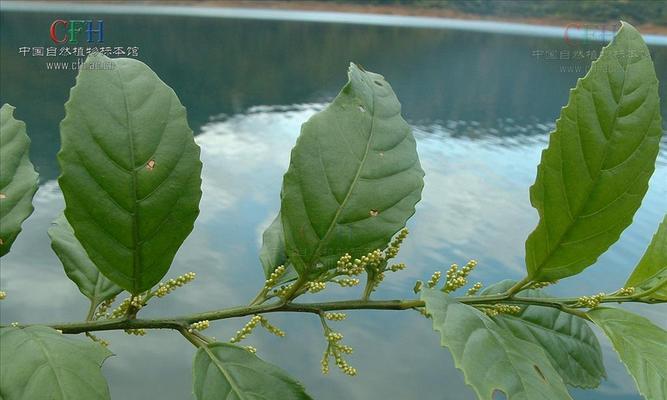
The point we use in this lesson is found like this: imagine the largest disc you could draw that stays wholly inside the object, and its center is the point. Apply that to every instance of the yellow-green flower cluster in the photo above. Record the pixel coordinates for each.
(315, 286)
(199, 325)
(172, 284)
(589, 301)
(335, 316)
(3, 295)
(103, 308)
(474, 289)
(282, 290)
(122, 308)
(137, 332)
(626, 291)
(457, 278)
(347, 282)
(435, 278)
(271, 328)
(247, 329)
(395, 246)
(418, 286)
(273, 278)
(346, 266)
(397, 267)
(251, 349)
(336, 350)
(135, 302)
(541, 285)
(252, 324)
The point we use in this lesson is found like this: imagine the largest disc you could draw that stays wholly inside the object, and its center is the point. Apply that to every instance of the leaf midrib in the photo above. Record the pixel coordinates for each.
(136, 254)
(232, 383)
(342, 205)
(52, 365)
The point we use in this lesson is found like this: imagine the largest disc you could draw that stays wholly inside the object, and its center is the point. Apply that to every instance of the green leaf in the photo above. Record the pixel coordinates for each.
(130, 170)
(272, 254)
(570, 344)
(18, 179)
(38, 362)
(354, 176)
(641, 345)
(651, 272)
(596, 169)
(78, 266)
(225, 371)
(491, 357)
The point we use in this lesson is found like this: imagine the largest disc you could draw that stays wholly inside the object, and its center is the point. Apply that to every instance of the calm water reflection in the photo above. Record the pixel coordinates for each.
(481, 106)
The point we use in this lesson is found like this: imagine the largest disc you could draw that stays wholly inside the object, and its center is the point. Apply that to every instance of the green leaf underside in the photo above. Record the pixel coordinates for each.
(641, 345)
(18, 179)
(272, 254)
(38, 362)
(77, 265)
(225, 371)
(570, 344)
(354, 176)
(491, 358)
(651, 272)
(595, 171)
(130, 171)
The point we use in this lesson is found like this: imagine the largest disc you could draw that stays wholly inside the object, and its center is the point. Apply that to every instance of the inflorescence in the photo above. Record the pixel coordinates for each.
(457, 278)
(252, 324)
(336, 350)
(589, 301)
(199, 325)
(626, 291)
(172, 284)
(498, 309)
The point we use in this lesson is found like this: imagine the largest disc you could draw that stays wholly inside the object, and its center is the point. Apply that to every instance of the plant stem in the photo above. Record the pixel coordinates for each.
(517, 287)
(91, 311)
(182, 322)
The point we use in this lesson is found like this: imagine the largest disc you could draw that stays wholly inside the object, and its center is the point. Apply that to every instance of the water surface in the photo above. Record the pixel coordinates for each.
(481, 106)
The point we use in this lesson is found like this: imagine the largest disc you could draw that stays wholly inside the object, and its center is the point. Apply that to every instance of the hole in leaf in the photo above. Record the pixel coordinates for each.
(361, 108)
(3, 196)
(374, 213)
(381, 154)
(1, 242)
(498, 395)
(378, 83)
(539, 372)
(150, 165)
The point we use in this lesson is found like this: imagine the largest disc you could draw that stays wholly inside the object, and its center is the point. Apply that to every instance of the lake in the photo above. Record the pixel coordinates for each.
(481, 106)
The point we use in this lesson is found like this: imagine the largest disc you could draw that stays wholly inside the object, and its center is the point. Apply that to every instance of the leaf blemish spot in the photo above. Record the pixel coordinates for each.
(374, 212)
(539, 372)
(361, 108)
(150, 165)
(3, 196)
(378, 83)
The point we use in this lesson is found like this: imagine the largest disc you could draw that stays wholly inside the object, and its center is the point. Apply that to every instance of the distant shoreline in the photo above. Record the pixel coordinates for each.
(386, 10)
